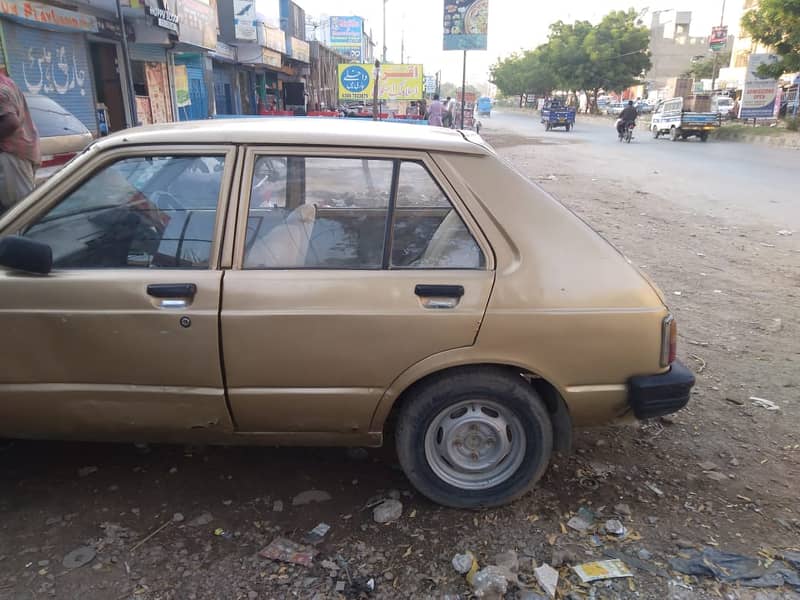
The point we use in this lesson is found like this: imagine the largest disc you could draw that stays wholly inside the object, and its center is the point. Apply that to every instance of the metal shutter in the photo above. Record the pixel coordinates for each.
(198, 93)
(148, 53)
(53, 64)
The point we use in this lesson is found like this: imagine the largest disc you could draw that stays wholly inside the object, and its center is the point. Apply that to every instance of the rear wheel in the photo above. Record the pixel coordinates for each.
(656, 133)
(479, 437)
(674, 133)
(704, 136)
(568, 126)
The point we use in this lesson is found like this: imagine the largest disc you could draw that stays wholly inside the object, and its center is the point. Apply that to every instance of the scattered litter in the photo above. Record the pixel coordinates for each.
(202, 519)
(178, 517)
(766, 245)
(490, 582)
(700, 361)
(615, 527)
(387, 511)
(277, 506)
(775, 325)
(678, 293)
(696, 343)
(785, 232)
(735, 401)
(309, 496)
(223, 533)
(86, 471)
(730, 568)
(708, 466)
(716, 476)
(152, 535)
(464, 563)
(329, 565)
(657, 491)
(581, 521)
(288, 551)
(637, 563)
(316, 535)
(623, 509)
(764, 403)
(79, 557)
(602, 569)
(547, 578)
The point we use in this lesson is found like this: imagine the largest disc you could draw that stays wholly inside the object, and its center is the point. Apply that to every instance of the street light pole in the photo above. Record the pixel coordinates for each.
(383, 56)
(716, 54)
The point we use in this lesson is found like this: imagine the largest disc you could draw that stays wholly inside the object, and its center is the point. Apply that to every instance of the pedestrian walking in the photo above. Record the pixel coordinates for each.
(19, 145)
(435, 112)
(449, 109)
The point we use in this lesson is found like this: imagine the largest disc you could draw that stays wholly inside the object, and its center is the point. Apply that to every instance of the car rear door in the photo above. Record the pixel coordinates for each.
(349, 268)
(121, 340)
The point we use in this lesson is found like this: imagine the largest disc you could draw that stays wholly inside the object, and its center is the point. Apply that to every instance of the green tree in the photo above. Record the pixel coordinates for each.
(507, 75)
(776, 23)
(704, 68)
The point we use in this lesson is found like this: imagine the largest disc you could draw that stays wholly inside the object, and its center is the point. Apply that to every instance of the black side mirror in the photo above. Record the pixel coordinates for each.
(25, 254)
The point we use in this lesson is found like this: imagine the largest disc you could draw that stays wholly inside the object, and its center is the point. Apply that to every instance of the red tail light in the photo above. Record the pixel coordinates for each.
(669, 340)
(55, 160)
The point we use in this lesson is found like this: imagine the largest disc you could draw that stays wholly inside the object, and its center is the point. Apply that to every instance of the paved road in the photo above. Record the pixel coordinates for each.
(737, 182)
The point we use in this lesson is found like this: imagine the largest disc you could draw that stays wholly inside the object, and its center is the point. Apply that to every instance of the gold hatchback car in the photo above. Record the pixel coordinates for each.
(320, 282)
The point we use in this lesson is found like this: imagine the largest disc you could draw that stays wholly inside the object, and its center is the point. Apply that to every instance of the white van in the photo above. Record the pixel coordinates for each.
(722, 105)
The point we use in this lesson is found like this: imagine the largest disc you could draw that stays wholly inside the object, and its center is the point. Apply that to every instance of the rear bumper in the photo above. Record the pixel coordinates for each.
(653, 396)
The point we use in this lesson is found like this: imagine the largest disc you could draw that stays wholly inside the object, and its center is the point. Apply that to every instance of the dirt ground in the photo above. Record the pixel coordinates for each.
(735, 290)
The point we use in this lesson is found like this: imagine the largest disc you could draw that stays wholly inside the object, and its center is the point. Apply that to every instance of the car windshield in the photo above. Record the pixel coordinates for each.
(51, 119)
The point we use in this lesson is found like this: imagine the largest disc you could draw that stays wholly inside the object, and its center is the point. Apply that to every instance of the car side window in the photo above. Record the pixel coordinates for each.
(428, 232)
(317, 213)
(148, 211)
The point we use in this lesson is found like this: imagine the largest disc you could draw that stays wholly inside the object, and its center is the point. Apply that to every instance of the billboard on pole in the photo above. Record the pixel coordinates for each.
(758, 95)
(396, 82)
(466, 23)
(719, 38)
(346, 36)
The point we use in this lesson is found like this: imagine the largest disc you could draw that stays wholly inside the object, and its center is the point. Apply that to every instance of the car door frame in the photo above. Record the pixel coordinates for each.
(352, 432)
(175, 420)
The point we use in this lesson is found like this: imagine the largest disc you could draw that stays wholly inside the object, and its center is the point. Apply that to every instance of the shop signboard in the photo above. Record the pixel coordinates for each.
(272, 38)
(430, 84)
(346, 36)
(198, 23)
(466, 24)
(224, 52)
(759, 95)
(244, 20)
(182, 86)
(48, 15)
(164, 18)
(396, 82)
(301, 51)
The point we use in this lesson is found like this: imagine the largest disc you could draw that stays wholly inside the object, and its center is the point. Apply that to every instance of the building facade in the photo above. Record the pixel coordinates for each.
(672, 48)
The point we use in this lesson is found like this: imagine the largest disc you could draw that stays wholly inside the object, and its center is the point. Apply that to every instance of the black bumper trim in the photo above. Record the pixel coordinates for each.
(653, 396)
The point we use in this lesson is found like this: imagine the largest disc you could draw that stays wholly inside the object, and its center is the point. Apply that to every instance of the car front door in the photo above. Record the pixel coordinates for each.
(120, 340)
(348, 270)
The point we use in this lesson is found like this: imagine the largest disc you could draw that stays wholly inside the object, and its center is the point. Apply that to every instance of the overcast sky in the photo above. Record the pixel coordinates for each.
(513, 25)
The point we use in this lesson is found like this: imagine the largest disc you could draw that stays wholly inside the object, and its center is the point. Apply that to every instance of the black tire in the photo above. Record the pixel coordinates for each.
(656, 133)
(674, 134)
(505, 389)
(568, 127)
(704, 136)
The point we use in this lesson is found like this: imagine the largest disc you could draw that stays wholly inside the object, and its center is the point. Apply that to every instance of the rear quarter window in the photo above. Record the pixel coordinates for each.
(51, 119)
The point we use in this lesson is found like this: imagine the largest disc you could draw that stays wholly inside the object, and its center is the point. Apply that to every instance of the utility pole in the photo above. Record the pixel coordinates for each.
(126, 57)
(463, 88)
(383, 56)
(716, 54)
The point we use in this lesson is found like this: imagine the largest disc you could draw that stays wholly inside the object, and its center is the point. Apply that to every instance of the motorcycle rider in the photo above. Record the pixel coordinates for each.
(628, 115)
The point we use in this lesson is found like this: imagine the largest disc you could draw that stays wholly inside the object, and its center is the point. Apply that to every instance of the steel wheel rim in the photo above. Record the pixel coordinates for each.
(475, 444)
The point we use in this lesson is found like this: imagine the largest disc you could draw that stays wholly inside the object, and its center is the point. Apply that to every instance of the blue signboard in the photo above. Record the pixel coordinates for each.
(354, 79)
(346, 35)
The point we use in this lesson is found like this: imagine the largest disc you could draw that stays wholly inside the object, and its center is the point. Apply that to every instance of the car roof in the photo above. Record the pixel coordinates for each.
(316, 131)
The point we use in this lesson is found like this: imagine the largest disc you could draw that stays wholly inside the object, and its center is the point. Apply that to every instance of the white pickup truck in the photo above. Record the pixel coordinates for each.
(671, 119)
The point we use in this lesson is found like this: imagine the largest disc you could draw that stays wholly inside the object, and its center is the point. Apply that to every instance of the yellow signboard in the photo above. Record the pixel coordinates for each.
(396, 82)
